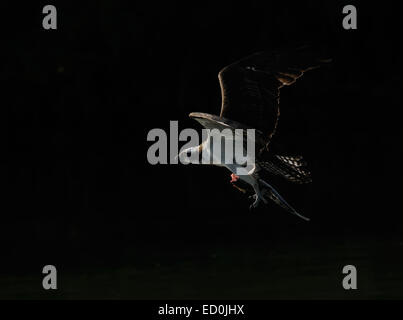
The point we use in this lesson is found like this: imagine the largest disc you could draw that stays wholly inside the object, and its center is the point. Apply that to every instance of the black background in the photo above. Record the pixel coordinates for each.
(79, 193)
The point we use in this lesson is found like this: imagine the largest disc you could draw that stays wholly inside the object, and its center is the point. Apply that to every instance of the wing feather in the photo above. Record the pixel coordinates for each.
(250, 87)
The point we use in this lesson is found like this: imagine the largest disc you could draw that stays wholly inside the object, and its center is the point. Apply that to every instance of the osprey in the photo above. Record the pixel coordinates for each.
(250, 91)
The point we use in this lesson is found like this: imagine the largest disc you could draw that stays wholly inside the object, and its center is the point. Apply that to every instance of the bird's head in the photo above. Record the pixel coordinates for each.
(189, 155)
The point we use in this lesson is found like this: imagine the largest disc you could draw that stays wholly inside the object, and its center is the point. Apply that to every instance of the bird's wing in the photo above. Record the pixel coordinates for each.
(250, 87)
(211, 121)
(277, 198)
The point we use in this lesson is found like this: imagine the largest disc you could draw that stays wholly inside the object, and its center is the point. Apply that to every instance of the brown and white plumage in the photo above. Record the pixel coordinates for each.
(250, 90)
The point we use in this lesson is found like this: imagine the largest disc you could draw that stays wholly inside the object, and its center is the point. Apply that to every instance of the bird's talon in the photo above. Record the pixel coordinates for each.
(256, 202)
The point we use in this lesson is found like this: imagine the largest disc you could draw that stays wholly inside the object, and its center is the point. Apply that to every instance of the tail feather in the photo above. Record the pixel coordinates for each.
(295, 161)
(292, 168)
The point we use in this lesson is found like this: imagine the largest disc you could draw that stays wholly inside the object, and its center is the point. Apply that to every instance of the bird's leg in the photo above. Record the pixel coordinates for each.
(257, 196)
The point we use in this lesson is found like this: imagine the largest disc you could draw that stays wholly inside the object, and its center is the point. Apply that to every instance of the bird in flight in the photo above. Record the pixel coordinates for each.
(250, 90)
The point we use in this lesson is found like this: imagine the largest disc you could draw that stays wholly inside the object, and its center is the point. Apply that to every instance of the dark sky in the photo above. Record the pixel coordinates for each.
(79, 101)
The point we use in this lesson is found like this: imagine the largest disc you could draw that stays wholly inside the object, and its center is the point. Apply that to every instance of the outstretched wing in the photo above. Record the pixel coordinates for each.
(211, 121)
(250, 87)
(271, 193)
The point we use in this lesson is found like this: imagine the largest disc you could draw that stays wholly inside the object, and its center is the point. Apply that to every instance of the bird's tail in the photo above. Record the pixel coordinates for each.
(292, 168)
(269, 192)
